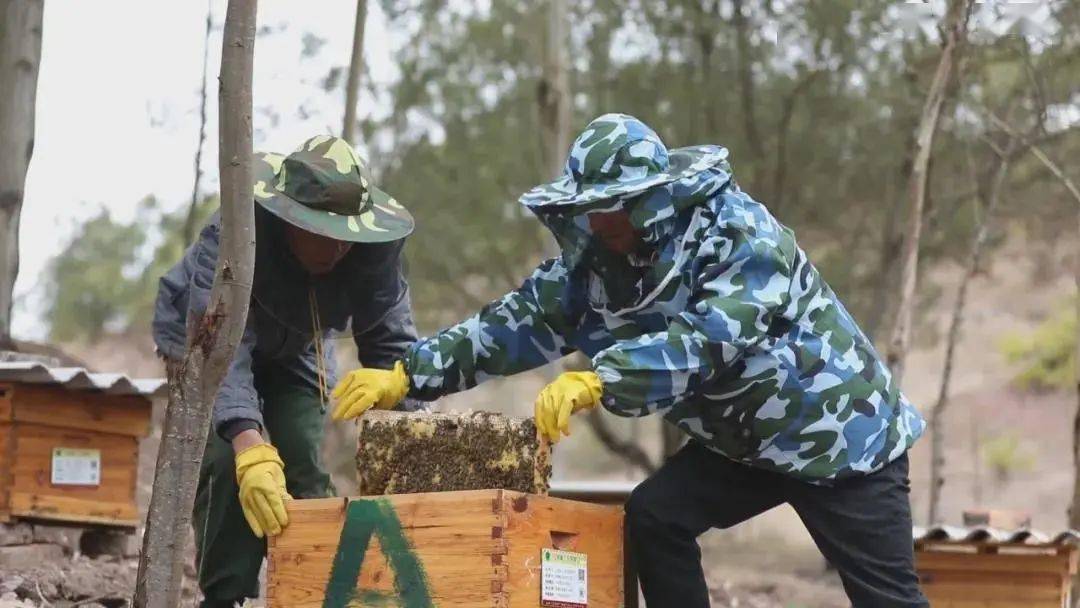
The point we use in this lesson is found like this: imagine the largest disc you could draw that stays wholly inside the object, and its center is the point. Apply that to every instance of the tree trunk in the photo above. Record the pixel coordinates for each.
(937, 417)
(553, 98)
(747, 91)
(783, 130)
(891, 241)
(189, 221)
(1074, 191)
(212, 339)
(20, 58)
(356, 63)
(553, 93)
(954, 28)
(627, 450)
(1074, 505)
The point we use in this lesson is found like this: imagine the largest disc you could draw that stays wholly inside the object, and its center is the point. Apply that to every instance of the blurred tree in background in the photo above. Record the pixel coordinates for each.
(105, 279)
(1046, 358)
(817, 103)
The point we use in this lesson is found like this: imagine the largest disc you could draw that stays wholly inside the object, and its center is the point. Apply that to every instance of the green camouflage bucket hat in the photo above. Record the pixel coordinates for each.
(615, 157)
(324, 187)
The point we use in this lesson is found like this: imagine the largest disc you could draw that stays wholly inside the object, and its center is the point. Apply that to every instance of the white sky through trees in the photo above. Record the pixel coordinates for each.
(118, 110)
(118, 103)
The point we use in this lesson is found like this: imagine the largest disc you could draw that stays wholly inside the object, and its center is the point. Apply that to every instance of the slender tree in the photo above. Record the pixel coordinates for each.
(213, 338)
(20, 59)
(954, 30)
(553, 94)
(356, 64)
(937, 415)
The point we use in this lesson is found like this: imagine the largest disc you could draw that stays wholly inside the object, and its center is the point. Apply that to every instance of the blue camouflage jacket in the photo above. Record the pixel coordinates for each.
(728, 331)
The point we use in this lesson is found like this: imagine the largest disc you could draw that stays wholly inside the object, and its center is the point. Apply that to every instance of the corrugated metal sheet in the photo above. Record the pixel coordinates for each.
(993, 536)
(77, 378)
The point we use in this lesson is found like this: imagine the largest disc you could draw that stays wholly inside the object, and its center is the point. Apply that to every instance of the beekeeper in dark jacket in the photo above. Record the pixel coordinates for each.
(328, 254)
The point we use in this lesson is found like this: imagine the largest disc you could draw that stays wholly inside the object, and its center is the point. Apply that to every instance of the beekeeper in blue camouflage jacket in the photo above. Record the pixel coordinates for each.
(694, 303)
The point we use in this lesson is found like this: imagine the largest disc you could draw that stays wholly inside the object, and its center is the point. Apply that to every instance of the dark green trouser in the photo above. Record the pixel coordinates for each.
(228, 555)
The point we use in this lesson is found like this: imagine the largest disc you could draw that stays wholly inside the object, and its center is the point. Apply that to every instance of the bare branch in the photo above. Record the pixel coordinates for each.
(630, 451)
(1050, 165)
(783, 132)
(955, 30)
(937, 423)
(189, 221)
(747, 91)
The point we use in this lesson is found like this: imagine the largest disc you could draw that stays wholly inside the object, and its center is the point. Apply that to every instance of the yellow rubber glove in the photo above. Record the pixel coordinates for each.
(570, 393)
(261, 475)
(363, 388)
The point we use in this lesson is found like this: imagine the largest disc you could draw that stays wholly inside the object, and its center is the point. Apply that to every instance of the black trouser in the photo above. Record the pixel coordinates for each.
(862, 526)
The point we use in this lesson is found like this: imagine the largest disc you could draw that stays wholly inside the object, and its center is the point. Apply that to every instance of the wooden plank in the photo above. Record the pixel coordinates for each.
(410, 452)
(969, 603)
(996, 587)
(994, 593)
(7, 454)
(991, 562)
(32, 493)
(74, 510)
(6, 391)
(451, 535)
(472, 549)
(538, 522)
(84, 410)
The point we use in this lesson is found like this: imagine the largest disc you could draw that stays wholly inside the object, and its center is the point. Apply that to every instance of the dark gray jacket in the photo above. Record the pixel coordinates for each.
(367, 288)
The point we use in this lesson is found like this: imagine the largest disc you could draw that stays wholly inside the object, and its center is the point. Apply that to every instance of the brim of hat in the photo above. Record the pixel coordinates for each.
(386, 219)
(563, 192)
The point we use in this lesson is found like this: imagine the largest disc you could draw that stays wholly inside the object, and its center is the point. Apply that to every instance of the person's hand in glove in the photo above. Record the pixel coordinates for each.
(261, 475)
(570, 393)
(364, 388)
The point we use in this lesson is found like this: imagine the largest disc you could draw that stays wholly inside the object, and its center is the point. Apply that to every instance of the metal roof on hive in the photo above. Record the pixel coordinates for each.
(993, 536)
(77, 378)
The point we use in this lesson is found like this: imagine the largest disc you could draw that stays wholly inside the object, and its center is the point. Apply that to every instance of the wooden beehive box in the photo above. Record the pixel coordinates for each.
(990, 575)
(70, 455)
(456, 549)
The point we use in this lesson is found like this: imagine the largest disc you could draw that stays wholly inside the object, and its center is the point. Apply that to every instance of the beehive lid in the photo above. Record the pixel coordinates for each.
(79, 379)
(986, 535)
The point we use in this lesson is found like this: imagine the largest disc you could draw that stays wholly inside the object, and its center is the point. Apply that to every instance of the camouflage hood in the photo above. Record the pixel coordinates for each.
(324, 187)
(616, 163)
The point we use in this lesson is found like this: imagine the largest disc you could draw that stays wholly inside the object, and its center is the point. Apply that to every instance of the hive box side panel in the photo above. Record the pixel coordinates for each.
(34, 495)
(992, 580)
(538, 522)
(6, 391)
(84, 410)
(6, 453)
(450, 545)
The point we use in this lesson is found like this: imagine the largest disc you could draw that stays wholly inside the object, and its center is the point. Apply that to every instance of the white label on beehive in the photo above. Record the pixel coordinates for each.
(564, 579)
(72, 467)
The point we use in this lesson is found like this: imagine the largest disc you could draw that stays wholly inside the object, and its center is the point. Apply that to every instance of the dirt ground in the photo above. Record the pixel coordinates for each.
(106, 583)
(77, 581)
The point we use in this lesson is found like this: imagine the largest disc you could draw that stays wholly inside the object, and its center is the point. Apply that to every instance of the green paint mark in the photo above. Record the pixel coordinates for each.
(362, 519)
